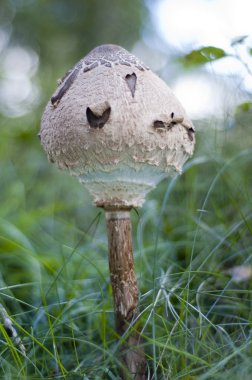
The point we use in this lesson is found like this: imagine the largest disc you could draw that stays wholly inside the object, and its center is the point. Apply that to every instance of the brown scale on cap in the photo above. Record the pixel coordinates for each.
(107, 55)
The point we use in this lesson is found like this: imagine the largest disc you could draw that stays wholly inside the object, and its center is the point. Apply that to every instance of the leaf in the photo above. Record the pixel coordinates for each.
(204, 55)
(243, 108)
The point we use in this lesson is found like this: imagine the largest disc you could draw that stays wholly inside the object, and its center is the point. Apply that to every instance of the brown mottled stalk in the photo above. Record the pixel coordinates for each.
(125, 292)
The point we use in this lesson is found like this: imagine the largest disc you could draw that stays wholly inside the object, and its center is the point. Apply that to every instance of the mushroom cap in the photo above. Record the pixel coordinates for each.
(117, 126)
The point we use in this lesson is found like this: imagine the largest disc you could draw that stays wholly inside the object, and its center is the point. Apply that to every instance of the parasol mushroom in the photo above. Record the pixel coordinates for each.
(119, 128)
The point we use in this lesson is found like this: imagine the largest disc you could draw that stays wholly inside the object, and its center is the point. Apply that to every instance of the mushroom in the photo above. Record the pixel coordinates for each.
(119, 128)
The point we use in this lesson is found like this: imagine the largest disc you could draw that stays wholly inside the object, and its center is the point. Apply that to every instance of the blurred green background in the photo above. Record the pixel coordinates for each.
(40, 41)
(193, 237)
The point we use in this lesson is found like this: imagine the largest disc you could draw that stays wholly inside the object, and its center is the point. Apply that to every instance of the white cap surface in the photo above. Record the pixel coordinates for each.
(117, 126)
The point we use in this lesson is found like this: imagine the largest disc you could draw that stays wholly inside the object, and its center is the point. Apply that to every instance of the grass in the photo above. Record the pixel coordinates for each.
(192, 231)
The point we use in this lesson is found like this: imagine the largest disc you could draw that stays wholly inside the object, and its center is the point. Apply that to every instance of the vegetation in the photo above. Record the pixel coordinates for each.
(193, 237)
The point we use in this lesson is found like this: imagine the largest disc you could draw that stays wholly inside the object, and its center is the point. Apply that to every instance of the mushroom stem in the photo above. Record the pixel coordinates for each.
(125, 292)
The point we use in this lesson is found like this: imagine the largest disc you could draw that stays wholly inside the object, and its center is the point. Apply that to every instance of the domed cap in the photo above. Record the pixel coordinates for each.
(117, 126)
